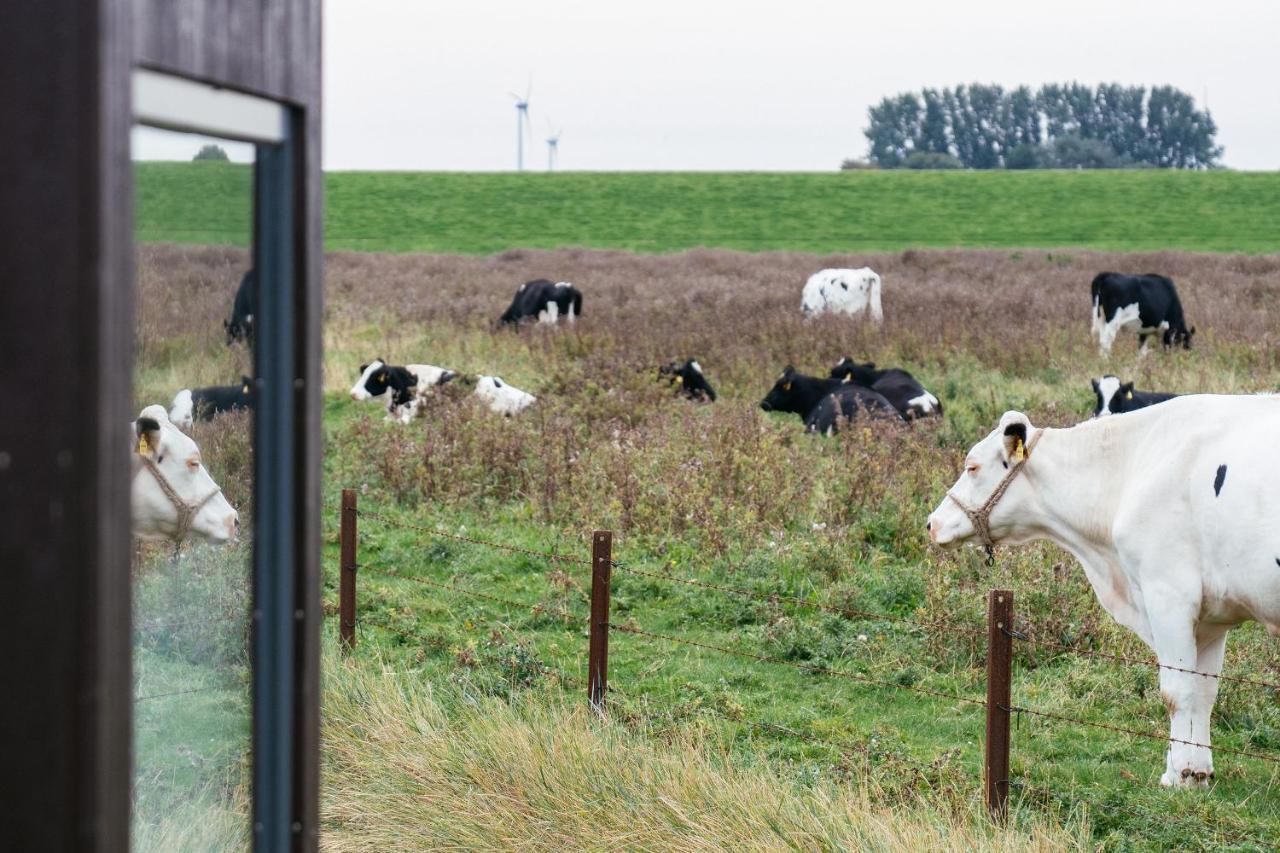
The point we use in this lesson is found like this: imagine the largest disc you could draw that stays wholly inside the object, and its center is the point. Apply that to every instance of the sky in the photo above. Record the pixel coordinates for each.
(745, 85)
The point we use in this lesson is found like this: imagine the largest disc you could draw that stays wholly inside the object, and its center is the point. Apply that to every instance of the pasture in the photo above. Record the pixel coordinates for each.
(728, 494)
(1144, 210)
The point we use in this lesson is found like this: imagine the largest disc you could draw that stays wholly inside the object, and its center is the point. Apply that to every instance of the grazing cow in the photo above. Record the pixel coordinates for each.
(1147, 303)
(172, 495)
(503, 398)
(240, 326)
(842, 291)
(201, 404)
(1171, 511)
(898, 387)
(1115, 397)
(689, 379)
(546, 300)
(821, 403)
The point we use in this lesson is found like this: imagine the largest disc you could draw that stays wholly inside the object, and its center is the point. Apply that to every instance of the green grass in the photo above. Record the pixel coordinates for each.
(812, 212)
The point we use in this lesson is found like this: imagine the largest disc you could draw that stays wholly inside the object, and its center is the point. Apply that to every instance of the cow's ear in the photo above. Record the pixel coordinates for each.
(1014, 427)
(148, 436)
(1094, 383)
(789, 370)
(363, 368)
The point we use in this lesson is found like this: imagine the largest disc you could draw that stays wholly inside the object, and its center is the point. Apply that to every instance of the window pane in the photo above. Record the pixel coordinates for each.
(192, 492)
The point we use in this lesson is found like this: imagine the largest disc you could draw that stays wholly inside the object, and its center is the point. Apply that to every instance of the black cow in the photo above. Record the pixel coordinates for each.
(1115, 397)
(898, 386)
(689, 379)
(240, 326)
(201, 404)
(545, 300)
(821, 403)
(1147, 303)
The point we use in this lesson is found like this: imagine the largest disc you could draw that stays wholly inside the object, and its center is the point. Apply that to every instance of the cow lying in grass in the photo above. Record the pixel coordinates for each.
(689, 380)
(897, 386)
(545, 301)
(823, 403)
(1114, 397)
(201, 404)
(1171, 511)
(172, 496)
(406, 386)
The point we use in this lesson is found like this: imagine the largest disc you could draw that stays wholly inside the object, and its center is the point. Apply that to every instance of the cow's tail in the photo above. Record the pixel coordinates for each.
(576, 305)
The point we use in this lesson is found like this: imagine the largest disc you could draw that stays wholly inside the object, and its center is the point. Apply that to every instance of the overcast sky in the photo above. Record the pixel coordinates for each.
(712, 84)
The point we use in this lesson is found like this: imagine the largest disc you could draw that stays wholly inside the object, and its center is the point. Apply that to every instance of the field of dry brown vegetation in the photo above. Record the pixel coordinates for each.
(725, 490)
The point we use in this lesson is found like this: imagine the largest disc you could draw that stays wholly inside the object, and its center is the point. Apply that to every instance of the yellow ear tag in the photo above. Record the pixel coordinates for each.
(1128, 395)
(786, 387)
(679, 379)
(244, 389)
(1019, 451)
(847, 378)
(143, 448)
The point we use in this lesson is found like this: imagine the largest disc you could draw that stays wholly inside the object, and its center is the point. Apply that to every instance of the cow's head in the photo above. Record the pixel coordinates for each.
(1182, 337)
(170, 482)
(849, 370)
(986, 467)
(375, 379)
(1109, 395)
(786, 396)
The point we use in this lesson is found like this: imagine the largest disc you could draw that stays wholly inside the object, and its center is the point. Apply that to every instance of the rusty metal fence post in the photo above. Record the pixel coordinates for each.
(999, 687)
(598, 646)
(347, 573)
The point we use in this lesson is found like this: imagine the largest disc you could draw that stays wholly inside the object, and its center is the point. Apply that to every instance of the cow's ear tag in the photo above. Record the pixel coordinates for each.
(786, 387)
(144, 449)
(679, 379)
(382, 377)
(847, 378)
(244, 389)
(1019, 451)
(1128, 395)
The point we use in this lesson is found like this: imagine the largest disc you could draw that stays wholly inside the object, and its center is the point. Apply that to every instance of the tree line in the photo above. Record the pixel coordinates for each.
(1061, 126)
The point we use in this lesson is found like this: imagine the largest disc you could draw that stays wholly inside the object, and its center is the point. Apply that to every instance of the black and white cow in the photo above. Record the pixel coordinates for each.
(240, 326)
(898, 386)
(689, 379)
(402, 385)
(822, 403)
(1115, 397)
(201, 404)
(545, 300)
(1145, 303)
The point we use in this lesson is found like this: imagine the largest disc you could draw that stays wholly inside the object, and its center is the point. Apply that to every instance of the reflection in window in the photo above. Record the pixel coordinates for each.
(192, 493)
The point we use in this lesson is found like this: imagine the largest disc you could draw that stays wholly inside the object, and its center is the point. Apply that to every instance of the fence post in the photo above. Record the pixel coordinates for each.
(598, 646)
(347, 573)
(999, 686)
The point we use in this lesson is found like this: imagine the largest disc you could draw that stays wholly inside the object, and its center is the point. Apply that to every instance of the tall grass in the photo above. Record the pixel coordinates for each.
(411, 767)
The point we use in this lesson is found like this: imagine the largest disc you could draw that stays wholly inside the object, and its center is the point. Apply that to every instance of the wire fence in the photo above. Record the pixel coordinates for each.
(603, 565)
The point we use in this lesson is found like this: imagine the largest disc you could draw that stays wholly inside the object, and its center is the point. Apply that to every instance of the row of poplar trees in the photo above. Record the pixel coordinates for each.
(986, 127)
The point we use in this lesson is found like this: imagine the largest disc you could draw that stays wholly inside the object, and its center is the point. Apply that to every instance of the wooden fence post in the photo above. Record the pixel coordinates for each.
(598, 647)
(999, 687)
(347, 573)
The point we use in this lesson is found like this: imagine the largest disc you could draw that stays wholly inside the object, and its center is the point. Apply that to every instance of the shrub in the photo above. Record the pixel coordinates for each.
(211, 152)
(930, 160)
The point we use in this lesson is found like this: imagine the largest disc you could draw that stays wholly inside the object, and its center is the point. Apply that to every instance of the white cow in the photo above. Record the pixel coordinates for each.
(172, 496)
(503, 398)
(843, 291)
(1171, 510)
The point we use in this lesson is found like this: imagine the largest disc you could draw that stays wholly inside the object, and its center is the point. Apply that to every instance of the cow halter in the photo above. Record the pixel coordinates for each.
(187, 512)
(981, 517)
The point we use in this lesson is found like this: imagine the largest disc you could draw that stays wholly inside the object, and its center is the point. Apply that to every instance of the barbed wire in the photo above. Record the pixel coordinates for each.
(545, 555)
(822, 670)
(775, 597)
(1036, 641)
(1049, 715)
(177, 693)
(537, 609)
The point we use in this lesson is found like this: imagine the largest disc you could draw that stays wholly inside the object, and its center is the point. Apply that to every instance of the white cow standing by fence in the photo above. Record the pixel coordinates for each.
(843, 291)
(1174, 513)
(172, 496)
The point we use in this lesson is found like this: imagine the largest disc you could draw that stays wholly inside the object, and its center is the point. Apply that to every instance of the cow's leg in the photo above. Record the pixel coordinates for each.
(1107, 337)
(1142, 344)
(1173, 637)
(1211, 643)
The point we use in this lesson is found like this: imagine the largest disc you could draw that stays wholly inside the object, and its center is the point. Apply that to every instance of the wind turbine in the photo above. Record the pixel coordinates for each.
(553, 147)
(522, 123)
